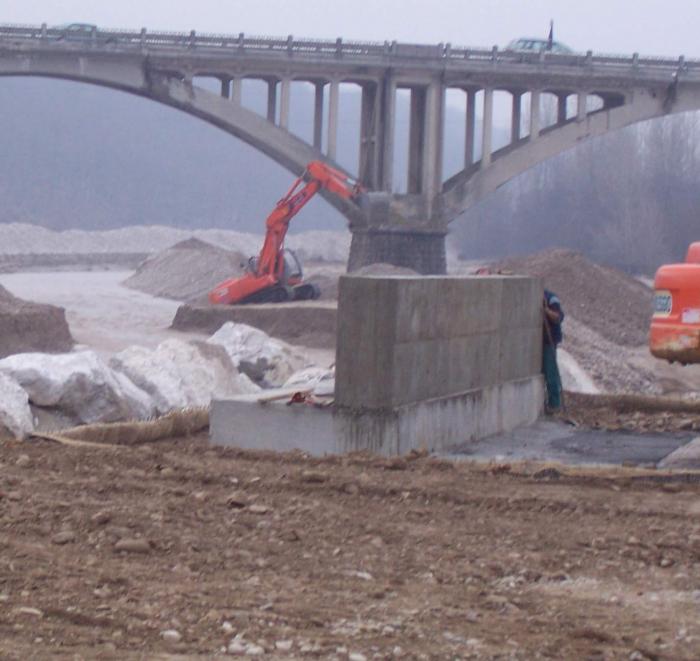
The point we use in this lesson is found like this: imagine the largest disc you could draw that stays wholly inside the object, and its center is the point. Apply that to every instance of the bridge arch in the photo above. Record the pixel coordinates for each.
(135, 76)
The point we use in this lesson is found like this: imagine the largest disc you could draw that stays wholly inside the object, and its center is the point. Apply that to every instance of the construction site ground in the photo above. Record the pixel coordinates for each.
(177, 549)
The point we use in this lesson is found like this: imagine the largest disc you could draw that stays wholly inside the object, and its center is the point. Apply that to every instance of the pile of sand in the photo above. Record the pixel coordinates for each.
(27, 327)
(613, 304)
(186, 271)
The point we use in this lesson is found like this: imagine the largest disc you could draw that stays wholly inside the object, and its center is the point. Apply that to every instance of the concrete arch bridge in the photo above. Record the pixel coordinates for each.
(589, 96)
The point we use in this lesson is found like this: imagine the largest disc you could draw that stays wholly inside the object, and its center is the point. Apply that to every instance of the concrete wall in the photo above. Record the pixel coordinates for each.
(421, 362)
(402, 340)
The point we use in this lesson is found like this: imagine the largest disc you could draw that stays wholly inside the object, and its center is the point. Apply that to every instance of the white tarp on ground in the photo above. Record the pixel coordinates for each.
(179, 374)
(255, 353)
(79, 384)
(320, 380)
(15, 414)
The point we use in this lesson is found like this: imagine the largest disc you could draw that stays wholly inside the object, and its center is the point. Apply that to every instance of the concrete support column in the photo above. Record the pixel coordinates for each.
(271, 100)
(534, 114)
(471, 128)
(236, 90)
(421, 251)
(416, 139)
(432, 150)
(581, 110)
(561, 108)
(369, 122)
(487, 137)
(318, 115)
(226, 87)
(284, 103)
(516, 116)
(387, 134)
(333, 119)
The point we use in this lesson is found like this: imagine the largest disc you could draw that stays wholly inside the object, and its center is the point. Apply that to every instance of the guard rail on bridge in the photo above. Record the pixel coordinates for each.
(222, 45)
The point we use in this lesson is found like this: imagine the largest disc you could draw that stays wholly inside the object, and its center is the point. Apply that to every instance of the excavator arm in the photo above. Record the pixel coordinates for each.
(265, 281)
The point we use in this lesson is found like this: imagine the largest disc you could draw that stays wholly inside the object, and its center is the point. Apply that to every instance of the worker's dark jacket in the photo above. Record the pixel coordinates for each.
(554, 328)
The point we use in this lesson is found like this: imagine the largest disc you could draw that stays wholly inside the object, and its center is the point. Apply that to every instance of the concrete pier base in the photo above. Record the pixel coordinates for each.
(421, 363)
(437, 425)
(422, 252)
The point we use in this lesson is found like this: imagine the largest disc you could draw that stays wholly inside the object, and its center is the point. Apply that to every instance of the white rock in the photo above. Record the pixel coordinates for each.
(284, 645)
(253, 350)
(179, 374)
(237, 648)
(357, 656)
(171, 636)
(79, 384)
(254, 650)
(15, 414)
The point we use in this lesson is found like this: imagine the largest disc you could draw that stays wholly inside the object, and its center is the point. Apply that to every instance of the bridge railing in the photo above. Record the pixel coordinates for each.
(223, 44)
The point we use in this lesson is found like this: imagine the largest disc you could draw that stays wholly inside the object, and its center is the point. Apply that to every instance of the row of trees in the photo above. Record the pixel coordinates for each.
(629, 199)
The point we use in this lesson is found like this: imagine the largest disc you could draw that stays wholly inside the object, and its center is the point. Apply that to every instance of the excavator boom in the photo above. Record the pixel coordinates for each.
(267, 280)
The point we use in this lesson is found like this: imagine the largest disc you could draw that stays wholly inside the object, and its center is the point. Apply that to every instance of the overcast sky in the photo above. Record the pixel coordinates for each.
(651, 27)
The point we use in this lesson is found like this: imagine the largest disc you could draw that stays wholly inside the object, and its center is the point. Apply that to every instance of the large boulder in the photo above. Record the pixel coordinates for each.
(179, 374)
(15, 414)
(79, 384)
(27, 326)
(265, 360)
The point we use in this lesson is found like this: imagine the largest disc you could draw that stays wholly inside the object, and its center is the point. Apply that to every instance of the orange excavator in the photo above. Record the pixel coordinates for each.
(675, 326)
(276, 274)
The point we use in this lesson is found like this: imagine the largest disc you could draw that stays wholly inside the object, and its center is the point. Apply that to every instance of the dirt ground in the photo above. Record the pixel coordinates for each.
(180, 550)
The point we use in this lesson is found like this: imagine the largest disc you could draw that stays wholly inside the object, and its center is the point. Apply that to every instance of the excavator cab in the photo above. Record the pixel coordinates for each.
(675, 325)
(292, 273)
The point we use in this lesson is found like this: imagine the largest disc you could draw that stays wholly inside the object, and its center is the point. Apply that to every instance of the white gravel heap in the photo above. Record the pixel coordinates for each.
(22, 238)
(15, 414)
(255, 353)
(179, 374)
(79, 384)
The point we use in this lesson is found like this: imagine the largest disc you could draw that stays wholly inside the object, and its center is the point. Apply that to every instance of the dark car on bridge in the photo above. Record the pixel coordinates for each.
(83, 33)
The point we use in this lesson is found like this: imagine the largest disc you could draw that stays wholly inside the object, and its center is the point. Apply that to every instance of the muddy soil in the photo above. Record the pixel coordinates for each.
(105, 549)
(640, 413)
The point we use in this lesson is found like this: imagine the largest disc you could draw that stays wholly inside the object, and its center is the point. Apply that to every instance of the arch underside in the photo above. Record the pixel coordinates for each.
(246, 125)
(469, 186)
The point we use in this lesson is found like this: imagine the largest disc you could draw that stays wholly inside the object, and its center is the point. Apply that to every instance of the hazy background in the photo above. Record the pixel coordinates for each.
(81, 156)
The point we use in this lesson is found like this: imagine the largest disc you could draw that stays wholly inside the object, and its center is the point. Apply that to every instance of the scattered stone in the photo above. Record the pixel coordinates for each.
(258, 509)
(254, 650)
(14, 496)
(171, 636)
(63, 537)
(237, 648)
(547, 474)
(101, 518)
(23, 461)
(313, 477)
(28, 610)
(227, 627)
(357, 656)
(284, 645)
(133, 546)
(236, 500)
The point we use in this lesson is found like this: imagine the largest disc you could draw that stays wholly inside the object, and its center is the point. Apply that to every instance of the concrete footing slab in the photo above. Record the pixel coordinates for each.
(436, 425)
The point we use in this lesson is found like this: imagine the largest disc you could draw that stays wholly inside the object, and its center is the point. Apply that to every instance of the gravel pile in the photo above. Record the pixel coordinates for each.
(613, 304)
(186, 271)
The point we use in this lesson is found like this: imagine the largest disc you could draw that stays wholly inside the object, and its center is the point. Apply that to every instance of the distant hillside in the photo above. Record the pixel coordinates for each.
(79, 156)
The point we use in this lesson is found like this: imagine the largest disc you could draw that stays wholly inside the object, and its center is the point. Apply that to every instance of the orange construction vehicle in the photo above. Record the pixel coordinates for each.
(276, 274)
(675, 326)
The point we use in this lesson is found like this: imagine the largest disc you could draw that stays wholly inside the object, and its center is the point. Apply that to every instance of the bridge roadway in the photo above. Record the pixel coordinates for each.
(593, 94)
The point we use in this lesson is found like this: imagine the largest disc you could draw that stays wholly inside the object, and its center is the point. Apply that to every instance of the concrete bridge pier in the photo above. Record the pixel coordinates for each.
(394, 231)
